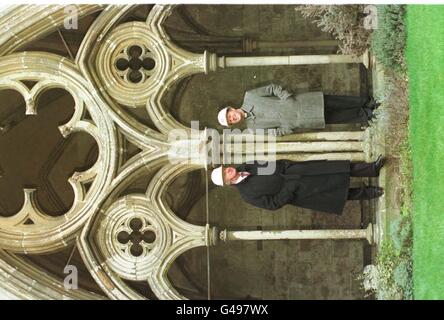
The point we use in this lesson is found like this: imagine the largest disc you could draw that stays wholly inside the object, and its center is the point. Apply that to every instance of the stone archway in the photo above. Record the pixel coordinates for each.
(137, 236)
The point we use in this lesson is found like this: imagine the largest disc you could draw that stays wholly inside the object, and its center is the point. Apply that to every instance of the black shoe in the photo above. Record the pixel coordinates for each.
(375, 105)
(375, 192)
(379, 163)
(365, 125)
(372, 103)
(367, 115)
(367, 193)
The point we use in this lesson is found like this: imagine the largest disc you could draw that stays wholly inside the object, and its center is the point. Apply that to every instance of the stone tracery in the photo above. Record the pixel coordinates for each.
(50, 233)
(135, 237)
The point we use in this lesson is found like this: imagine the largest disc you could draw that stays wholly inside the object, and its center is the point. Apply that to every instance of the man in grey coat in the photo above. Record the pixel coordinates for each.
(272, 107)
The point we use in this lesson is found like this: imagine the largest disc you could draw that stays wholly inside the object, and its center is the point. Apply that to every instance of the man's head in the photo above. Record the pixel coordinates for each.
(229, 116)
(224, 175)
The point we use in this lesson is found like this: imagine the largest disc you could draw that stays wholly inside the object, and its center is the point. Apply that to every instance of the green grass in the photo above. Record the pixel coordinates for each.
(425, 61)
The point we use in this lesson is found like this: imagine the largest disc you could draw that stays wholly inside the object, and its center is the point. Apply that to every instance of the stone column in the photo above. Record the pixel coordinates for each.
(290, 147)
(227, 62)
(259, 235)
(324, 136)
(240, 148)
(244, 45)
(350, 156)
(250, 45)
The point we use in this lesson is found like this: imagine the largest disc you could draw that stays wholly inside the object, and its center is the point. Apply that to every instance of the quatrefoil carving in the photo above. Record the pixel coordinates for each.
(139, 238)
(135, 64)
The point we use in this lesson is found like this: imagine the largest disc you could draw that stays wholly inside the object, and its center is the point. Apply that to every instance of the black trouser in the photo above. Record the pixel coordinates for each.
(362, 169)
(346, 109)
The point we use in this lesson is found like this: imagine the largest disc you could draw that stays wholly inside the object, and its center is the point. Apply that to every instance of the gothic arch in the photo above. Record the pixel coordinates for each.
(134, 237)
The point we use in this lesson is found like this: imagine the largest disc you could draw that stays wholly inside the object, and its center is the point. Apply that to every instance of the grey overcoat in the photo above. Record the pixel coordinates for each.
(272, 107)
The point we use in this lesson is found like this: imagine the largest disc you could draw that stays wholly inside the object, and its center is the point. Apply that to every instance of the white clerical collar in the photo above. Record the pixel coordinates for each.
(248, 114)
(242, 178)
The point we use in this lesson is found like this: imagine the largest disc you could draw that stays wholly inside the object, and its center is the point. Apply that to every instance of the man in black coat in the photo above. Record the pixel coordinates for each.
(318, 185)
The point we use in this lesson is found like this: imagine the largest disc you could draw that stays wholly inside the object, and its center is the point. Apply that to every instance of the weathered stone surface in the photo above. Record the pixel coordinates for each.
(306, 269)
(268, 269)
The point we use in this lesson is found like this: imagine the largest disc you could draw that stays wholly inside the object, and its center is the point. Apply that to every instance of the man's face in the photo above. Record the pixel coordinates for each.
(230, 174)
(234, 116)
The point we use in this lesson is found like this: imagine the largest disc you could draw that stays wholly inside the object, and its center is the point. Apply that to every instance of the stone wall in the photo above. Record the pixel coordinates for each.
(274, 269)
(202, 96)
(284, 269)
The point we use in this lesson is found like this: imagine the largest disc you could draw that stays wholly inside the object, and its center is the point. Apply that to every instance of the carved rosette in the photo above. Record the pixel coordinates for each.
(131, 63)
(133, 238)
(137, 63)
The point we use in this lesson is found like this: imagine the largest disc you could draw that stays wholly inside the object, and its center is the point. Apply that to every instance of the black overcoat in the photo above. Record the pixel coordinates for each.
(317, 185)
